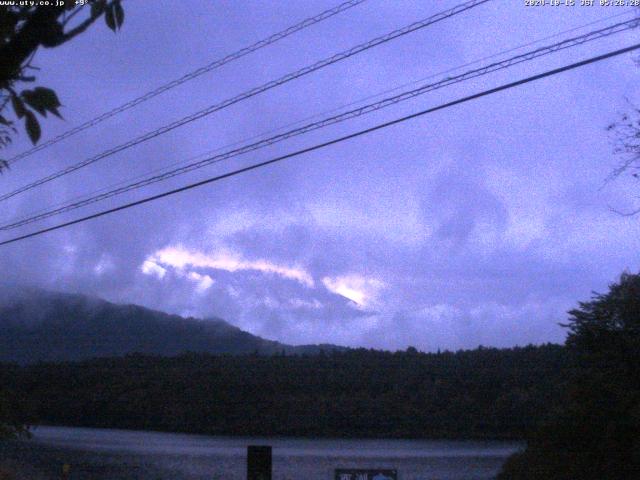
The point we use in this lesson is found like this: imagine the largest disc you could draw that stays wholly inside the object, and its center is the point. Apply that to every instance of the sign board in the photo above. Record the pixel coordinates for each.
(365, 474)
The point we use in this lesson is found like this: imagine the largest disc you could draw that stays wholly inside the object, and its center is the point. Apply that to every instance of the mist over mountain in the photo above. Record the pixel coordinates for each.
(38, 325)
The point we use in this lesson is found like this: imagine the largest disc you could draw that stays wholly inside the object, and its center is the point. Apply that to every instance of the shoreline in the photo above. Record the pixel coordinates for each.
(443, 438)
(105, 454)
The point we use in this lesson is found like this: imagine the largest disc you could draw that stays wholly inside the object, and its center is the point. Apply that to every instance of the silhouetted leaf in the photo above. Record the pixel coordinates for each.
(42, 100)
(18, 106)
(97, 8)
(114, 15)
(119, 13)
(32, 126)
(110, 19)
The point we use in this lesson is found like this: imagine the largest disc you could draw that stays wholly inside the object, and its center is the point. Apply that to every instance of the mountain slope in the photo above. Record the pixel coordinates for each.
(45, 326)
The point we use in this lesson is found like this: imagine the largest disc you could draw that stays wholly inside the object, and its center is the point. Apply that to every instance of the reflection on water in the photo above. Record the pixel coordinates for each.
(114, 454)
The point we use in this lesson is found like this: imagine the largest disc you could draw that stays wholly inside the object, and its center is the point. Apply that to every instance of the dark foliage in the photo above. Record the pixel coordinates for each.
(596, 434)
(24, 28)
(484, 393)
(14, 415)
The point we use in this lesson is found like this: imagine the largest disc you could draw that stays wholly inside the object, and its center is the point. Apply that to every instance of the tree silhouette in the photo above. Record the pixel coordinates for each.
(12, 417)
(596, 433)
(24, 29)
(626, 133)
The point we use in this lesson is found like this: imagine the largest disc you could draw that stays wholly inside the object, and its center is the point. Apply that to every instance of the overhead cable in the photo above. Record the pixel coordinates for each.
(357, 112)
(191, 75)
(250, 93)
(327, 143)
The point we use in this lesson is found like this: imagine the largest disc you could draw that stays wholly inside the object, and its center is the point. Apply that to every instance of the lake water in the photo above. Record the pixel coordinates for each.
(99, 454)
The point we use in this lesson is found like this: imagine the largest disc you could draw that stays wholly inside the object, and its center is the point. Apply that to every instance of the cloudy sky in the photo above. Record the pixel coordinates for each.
(479, 224)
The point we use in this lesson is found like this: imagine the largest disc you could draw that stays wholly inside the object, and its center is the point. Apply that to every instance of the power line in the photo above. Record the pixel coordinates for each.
(255, 91)
(191, 75)
(90, 195)
(330, 142)
(366, 109)
(335, 119)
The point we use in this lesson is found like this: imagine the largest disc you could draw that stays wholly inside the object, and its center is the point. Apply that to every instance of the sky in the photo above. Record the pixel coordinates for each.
(480, 224)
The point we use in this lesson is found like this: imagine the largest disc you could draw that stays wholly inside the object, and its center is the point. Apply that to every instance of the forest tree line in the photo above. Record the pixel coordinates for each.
(482, 393)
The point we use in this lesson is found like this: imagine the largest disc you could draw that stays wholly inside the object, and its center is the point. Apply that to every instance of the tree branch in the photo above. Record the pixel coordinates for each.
(26, 41)
(71, 15)
(65, 37)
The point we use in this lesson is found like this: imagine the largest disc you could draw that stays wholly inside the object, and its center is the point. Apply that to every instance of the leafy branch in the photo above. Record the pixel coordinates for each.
(23, 29)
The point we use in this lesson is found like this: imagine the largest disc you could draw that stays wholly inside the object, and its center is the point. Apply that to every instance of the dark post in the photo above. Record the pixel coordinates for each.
(258, 462)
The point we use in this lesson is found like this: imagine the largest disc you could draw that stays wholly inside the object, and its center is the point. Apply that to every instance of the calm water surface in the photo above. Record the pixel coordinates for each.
(119, 454)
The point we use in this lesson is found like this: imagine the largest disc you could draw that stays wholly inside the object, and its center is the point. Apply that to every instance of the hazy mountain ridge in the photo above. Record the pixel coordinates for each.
(38, 325)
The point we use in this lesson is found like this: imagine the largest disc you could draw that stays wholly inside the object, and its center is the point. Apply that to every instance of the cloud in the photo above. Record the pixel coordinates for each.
(149, 267)
(264, 296)
(461, 209)
(362, 290)
(203, 281)
(181, 258)
(450, 326)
